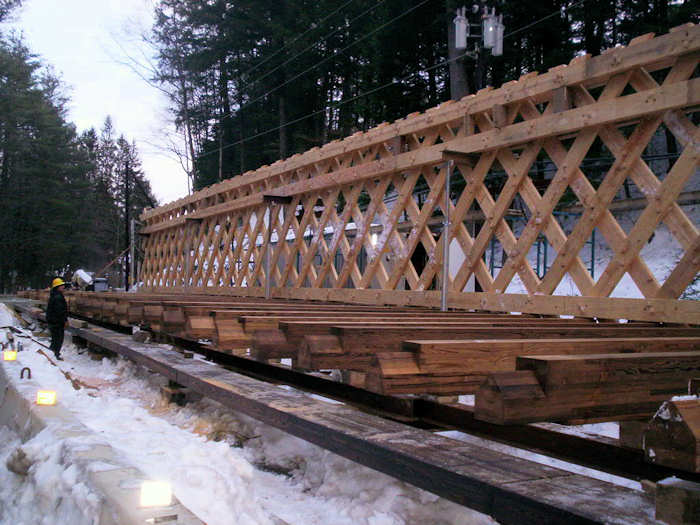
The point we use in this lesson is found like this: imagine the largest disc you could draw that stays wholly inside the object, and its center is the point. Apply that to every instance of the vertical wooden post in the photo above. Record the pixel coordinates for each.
(127, 226)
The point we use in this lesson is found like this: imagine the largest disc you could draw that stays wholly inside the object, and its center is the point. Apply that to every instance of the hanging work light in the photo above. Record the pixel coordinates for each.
(461, 29)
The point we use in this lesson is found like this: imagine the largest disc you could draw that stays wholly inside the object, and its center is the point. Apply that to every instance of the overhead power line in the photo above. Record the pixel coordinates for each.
(295, 39)
(532, 24)
(312, 45)
(373, 90)
(326, 59)
(333, 106)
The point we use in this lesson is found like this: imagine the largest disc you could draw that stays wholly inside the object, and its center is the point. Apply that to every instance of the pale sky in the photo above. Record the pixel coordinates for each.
(79, 39)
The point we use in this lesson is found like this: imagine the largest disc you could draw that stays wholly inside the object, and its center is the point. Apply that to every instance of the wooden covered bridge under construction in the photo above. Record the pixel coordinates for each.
(367, 256)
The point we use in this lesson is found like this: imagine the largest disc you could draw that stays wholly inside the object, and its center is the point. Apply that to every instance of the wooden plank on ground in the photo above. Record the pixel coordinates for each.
(510, 489)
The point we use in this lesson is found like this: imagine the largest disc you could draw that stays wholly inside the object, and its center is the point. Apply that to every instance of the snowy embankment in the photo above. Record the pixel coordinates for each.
(223, 466)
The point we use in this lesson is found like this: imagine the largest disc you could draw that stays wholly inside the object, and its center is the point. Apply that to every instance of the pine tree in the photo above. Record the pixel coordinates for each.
(59, 192)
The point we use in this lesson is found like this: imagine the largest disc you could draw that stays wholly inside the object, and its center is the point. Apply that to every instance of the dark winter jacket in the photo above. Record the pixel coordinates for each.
(57, 309)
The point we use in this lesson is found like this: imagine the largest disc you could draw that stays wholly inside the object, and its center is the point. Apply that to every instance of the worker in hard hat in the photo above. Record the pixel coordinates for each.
(57, 316)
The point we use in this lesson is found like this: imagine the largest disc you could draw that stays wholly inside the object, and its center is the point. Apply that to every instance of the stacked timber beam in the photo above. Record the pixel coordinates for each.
(358, 245)
(422, 365)
(395, 351)
(591, 387)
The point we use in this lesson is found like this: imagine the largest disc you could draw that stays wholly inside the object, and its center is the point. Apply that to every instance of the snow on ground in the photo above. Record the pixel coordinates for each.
(609, 430)
(223, 466)
(7, 318)
(53, 493)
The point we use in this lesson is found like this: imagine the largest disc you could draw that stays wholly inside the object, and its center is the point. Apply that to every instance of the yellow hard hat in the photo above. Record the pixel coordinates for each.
(57, 282)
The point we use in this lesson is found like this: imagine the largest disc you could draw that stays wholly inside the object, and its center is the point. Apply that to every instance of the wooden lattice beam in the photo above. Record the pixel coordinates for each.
(376, 199)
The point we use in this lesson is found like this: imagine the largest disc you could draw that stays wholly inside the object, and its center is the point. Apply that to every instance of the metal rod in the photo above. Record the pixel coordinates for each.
(593, 253)
(132, 252)
(268, 246)
(189, 243)
(446, 239)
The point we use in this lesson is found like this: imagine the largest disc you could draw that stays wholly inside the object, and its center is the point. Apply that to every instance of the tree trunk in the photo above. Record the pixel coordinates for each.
(225, 131)
(283, 128)
(241, 124)
(188, 130)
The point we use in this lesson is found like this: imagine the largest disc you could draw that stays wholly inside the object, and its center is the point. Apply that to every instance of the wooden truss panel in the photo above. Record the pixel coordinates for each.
(365, 221)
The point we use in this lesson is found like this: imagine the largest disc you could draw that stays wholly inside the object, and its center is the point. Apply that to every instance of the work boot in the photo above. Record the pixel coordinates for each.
(58, 356)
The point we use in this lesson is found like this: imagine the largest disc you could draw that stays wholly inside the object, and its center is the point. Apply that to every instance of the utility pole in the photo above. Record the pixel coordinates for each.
(459, 32)
(459, 84)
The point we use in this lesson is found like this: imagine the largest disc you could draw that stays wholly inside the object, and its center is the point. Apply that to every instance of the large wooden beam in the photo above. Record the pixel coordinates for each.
(481, 356)
(657, 310)
(596, 387)
(353, 347)
(460, 367)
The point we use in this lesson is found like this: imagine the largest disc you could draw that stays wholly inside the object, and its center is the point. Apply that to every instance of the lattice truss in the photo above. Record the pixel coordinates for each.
(367, 212)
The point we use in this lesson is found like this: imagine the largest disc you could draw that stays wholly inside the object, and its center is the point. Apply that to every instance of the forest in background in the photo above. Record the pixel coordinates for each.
(63, 195)
(250, 82)
(253, 81)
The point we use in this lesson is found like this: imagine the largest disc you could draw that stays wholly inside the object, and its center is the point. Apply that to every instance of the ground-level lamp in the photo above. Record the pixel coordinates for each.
(8, 353)
(156, 494)
(46, 397)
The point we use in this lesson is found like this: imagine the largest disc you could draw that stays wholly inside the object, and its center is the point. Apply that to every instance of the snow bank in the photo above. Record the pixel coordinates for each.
(7, 319)
(52, 491)
(220, 464)
(7, 316)
(295, 480)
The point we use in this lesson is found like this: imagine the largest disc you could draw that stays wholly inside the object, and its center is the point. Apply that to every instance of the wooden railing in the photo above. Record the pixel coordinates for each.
(366, 219)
